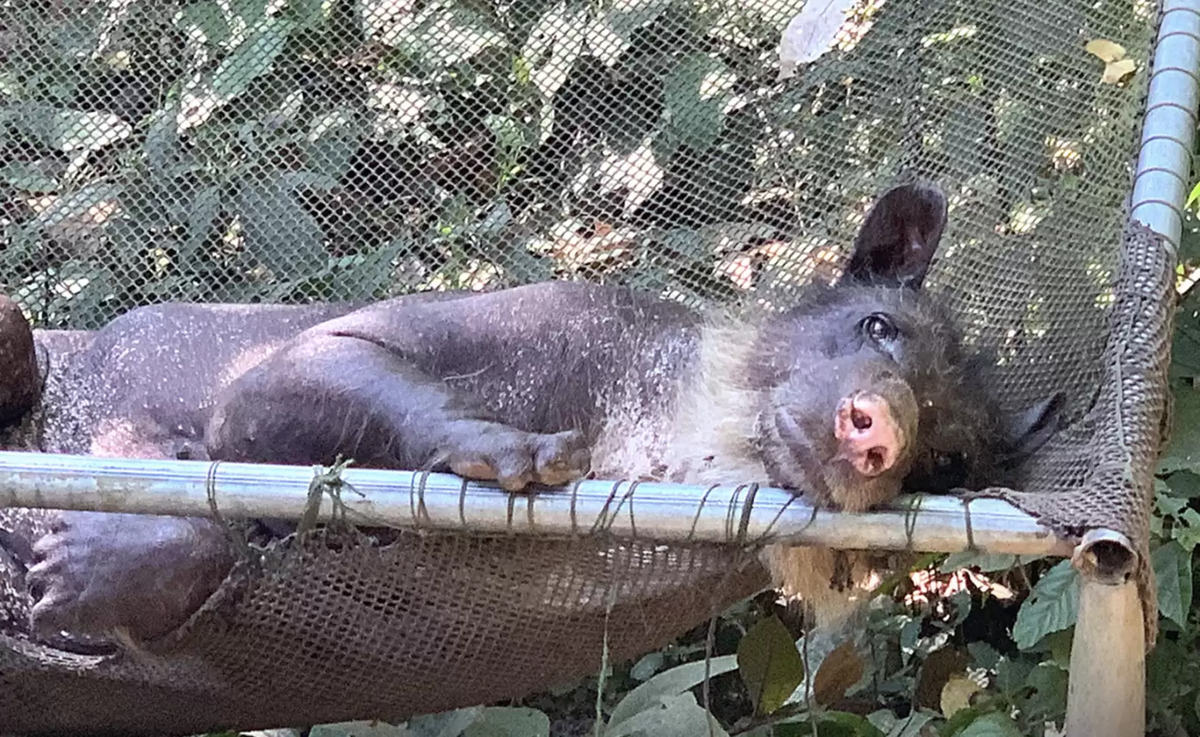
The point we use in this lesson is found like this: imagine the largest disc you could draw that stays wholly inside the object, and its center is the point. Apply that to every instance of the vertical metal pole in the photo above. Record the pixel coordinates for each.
(1160, 186)
(1107, 692)
(1106, 696)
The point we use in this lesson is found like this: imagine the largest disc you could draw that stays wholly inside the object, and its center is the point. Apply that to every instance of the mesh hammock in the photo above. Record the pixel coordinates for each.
(398, 146)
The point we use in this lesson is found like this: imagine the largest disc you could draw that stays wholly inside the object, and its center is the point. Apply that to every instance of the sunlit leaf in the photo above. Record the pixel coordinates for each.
(1118, 70)
(811, 33)
(1107, 51)
(611, 33)
(1193, 196)
(956, 694)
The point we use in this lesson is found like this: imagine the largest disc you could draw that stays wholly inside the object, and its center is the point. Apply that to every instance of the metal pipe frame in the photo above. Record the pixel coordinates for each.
(1107, 691)
(414, 500)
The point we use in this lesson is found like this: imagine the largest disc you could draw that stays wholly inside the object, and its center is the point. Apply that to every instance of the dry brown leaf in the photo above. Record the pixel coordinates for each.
(840, 670)
(1118, 70)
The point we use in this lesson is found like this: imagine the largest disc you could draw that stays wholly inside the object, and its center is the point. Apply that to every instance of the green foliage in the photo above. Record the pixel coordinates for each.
(357, 149)
(769, 664)
(1052, 606)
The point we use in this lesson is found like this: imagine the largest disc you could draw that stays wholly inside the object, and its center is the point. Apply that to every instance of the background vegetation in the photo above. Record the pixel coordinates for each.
(292, 150)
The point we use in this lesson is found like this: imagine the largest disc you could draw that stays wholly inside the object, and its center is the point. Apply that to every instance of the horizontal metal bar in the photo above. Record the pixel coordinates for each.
(415, 500)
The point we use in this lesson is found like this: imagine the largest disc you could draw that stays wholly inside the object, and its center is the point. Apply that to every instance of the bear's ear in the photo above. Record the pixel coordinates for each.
(897, 241)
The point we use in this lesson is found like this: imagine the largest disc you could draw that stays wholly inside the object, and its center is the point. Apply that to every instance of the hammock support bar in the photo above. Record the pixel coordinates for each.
(404, 499)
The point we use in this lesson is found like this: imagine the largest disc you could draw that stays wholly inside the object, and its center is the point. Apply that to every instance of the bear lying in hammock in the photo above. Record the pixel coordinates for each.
(858, 392)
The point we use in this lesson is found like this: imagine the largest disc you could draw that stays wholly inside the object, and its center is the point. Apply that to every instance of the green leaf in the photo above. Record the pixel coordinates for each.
(250, 60)
(207, 19)
(1048, 701)
(1173, 574)
(1183, 447)
(961, 719)
(695, 92)
(278, 231)
(1184, 484)
(893, 726)
(77, 130)
(358, 729)
(331, 143)
(1185, 343)
(1012, 676)
(27, 178)
(249, 11)
(769, 664)
(305, 13)
(985, 562)
(1193, 196)
(1052, 606)
(204, 209)
(1189, 236)
(675, 716)
(1187, 532)
(993, 724)
(646, 667)
(668, 683)
(444, 724)
(509, 721)
(829, 724)
(441, 35)
(983, 655)
(162, 140)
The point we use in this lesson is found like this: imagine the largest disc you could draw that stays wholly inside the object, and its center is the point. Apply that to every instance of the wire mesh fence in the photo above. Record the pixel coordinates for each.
(250, 150)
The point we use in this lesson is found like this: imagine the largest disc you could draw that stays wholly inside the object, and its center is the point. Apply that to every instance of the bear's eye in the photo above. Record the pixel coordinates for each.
(878, 327)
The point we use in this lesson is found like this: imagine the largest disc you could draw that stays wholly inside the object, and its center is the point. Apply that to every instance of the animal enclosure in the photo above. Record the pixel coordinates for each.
(306, 150)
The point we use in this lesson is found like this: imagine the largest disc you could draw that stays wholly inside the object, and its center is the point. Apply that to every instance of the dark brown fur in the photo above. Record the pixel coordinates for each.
(536, 384)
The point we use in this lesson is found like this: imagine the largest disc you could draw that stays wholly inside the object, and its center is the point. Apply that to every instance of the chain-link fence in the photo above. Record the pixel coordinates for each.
(300, 150)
